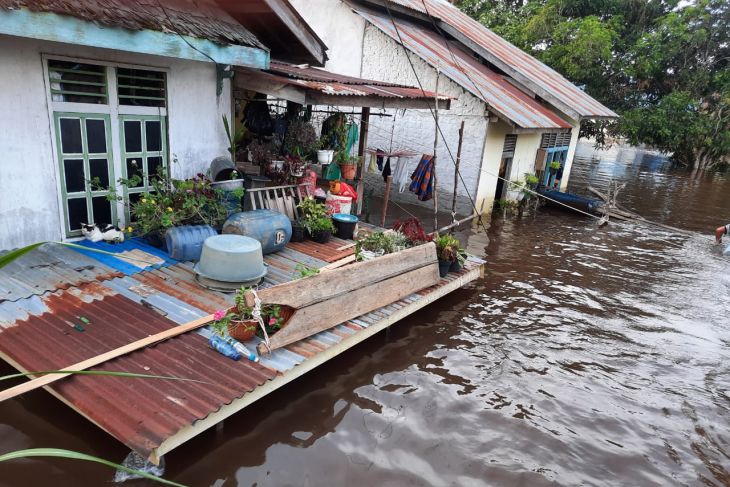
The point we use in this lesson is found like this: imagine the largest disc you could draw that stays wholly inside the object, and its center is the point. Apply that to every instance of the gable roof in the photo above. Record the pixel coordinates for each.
(525, 69)
(203, 19)
(503, 98)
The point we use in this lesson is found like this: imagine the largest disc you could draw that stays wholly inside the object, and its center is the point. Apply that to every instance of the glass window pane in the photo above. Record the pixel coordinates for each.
(96, 136)
(153, 165)
(98, 168)
(133, 199)
(154, 135)
(77, 213)
(73, 170)
(134, 168)
(102, 210)
(70, 135)
(133, 136)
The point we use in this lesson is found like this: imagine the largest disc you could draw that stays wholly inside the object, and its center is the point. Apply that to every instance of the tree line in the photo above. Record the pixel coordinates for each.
(661, 64)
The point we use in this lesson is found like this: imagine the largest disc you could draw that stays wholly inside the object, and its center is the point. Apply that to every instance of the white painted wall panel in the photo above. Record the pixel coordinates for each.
(29, 210)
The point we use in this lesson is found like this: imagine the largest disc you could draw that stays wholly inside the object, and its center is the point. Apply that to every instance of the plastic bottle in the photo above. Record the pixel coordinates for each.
(224, 348)
(240, 348)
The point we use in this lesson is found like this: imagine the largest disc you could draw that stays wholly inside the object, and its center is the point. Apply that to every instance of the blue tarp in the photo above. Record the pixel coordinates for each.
(126, 246)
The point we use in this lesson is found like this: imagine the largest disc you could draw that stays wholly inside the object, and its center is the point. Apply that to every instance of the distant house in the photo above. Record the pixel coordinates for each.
(519, 114)
(97, 90)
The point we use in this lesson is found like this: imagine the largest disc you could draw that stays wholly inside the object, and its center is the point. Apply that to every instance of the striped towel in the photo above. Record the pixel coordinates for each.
(421, 180)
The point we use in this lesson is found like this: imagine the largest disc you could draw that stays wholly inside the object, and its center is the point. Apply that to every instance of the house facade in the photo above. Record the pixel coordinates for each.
(518, 114)
(92, 94)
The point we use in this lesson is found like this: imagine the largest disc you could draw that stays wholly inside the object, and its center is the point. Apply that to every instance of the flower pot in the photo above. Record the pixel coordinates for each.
(297, 174)
(321, 236)
(346, 225)
(456, 266)
(348, 171)
(325, 156)
(243, 331)
(297, 233)
(444, 267)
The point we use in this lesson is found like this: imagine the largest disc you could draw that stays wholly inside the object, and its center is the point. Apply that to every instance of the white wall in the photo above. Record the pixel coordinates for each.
(29, 210)
(571, 156)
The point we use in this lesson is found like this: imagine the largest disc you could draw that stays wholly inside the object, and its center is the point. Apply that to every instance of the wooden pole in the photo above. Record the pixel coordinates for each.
(456, 172)
(388, 183)
(364, 125)
(105, 357)
(435, 146)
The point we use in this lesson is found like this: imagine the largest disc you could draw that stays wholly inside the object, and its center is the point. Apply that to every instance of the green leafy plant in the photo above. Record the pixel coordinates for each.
(555, 165)
(314, 217)
(234, 137)
(241, 315)
(448, 247)
(381, 243)
(303, 271)
(506, 204)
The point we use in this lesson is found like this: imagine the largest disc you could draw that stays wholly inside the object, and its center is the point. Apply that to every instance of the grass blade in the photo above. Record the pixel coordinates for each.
(74, 455)
(100, 372)
(6, 259)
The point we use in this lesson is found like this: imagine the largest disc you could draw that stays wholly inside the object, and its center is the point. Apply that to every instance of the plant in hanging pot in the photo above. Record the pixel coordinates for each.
(554, 166)
(296, 164)
(237, 322)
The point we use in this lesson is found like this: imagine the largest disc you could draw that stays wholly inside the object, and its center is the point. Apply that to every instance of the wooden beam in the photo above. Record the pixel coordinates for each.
(364, 129)
(105, 357)
(315, 289)
(62, 28)
(308, 365)
(321, 316)
(315, 97)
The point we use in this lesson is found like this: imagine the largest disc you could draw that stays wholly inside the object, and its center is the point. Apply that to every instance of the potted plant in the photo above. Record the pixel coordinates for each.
(238, 322)
(348, 165)
(297, 232)
(458, 264)
(447, 249)
(554, 166)
(234, 137)
(296, 164)
(315, 220)
(380, 243)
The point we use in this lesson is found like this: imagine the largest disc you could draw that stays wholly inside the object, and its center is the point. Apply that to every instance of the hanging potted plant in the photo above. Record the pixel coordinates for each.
(296, 164)
(238, 322)
(554, 166)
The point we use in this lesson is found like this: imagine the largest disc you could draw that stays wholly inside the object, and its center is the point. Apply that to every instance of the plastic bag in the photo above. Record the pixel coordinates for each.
(347, 190)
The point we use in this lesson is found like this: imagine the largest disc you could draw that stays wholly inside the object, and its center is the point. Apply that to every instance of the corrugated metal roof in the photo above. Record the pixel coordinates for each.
(511, 59)
(335, 84)
(131, 256)
(196, 18)
(505, 99)
(52, 330)
(48, 268)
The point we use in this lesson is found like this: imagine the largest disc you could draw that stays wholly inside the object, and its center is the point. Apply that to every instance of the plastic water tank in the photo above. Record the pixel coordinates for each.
(186, 242)
(269, 227)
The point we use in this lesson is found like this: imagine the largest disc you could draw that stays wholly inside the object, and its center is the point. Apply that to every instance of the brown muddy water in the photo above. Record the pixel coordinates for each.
(586, 356)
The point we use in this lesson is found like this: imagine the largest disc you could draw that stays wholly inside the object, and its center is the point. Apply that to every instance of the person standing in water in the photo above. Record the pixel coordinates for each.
(724, 230)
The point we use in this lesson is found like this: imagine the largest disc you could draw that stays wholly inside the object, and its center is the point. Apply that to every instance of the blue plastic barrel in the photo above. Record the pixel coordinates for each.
(186, 242)
(271, 228)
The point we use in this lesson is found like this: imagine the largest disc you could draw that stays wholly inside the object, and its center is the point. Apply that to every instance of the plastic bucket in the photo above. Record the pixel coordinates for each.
(346, 225)
(186, 242)
(338, 204)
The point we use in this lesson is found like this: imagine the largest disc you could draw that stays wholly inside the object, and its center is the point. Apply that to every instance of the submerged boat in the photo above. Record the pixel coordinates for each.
(578, 202)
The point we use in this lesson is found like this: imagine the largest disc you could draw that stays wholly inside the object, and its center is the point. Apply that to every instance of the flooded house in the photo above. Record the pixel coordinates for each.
(101, 104)
(519, 115)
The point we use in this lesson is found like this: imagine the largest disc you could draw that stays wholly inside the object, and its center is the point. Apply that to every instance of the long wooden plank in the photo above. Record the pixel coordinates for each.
(311, 290)
(105, 357)
(320, 316)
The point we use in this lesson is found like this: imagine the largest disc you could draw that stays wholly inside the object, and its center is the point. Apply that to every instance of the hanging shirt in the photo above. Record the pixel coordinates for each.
(401, 176)
(386, 170)
(421, 179)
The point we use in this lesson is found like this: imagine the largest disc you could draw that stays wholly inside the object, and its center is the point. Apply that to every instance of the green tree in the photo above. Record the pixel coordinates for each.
(661, 64)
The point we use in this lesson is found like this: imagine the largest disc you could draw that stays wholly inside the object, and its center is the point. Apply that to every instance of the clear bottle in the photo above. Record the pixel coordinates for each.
(240, 348)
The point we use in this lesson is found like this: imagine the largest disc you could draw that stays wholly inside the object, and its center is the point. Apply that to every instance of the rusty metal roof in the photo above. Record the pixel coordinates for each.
(503, 98)
(549, 84)
(40, 332)
(328, 83)
(203, 19)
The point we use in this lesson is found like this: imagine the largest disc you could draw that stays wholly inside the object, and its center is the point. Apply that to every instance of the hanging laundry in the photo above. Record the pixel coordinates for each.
(422, 181)
(372, 166)
(386, 170)
(379, 159)
(401, 176)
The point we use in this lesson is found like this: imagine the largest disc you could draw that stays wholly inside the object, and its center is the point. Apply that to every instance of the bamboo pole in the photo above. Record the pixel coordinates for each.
(388, 184)
(104, 357)
(456, 173)
(435, 146)
(364, 126)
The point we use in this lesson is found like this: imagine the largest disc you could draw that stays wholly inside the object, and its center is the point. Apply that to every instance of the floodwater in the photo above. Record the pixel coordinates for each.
(587, 356)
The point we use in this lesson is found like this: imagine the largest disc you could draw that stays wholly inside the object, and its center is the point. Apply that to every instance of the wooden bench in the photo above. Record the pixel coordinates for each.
(283, 199)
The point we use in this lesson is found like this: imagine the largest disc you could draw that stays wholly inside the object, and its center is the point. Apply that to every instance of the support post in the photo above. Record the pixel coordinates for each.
(435, 146)
(456, 173)
(388, 184)
(364, 125)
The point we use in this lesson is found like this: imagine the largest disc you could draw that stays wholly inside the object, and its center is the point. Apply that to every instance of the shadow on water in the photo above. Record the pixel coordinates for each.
(585, 356)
